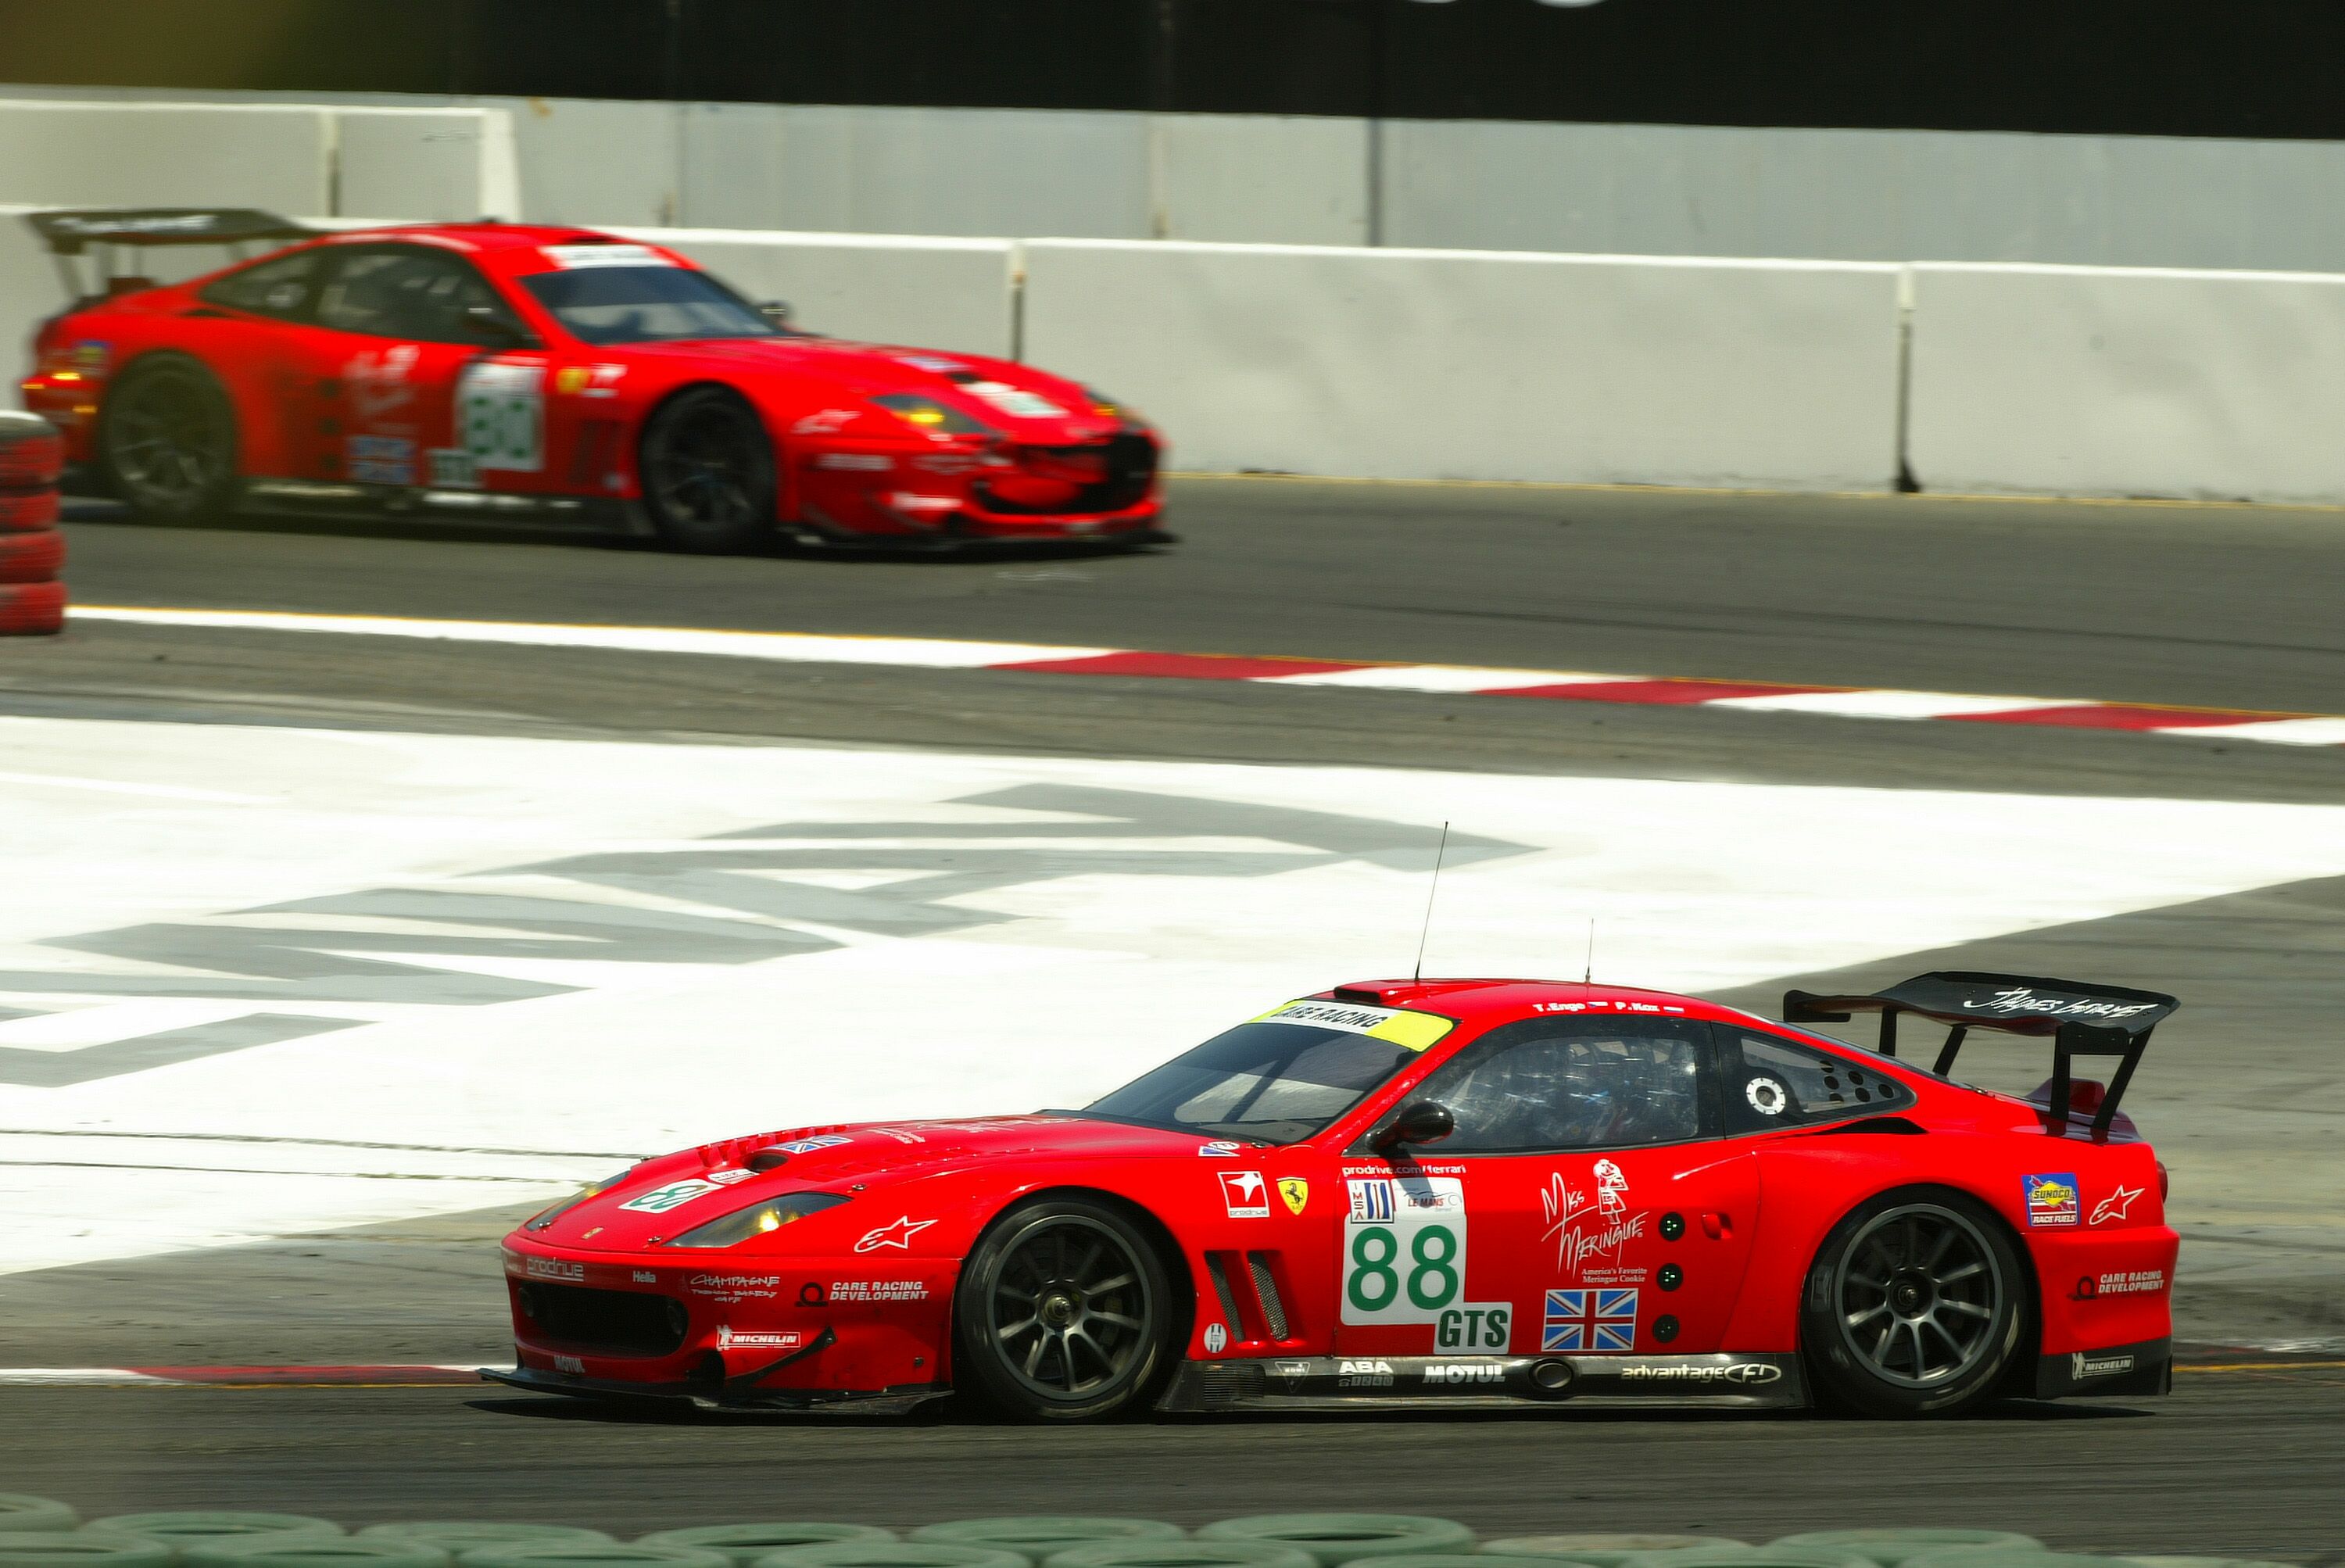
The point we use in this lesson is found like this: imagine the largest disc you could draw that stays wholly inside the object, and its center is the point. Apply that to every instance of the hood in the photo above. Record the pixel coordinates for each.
(1019, 400)
(663, 1197)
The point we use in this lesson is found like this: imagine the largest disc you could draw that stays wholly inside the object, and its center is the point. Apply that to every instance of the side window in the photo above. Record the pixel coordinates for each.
(278, 288)
(1769, 1081)
(423, 296)
(1574, 1084)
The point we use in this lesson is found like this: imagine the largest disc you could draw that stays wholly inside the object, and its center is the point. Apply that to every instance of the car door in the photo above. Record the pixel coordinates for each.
(1585, 1205)
(421, 374)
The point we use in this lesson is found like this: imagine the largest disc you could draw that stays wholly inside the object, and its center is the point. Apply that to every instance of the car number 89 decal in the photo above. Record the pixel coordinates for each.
(1404, 1248)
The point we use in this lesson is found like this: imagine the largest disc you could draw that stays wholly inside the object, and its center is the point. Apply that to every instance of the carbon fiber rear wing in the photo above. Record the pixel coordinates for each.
(72, 234)
(2081, 1020)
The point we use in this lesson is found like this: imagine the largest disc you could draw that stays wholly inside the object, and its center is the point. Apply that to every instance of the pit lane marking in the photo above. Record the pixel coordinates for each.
(2282, 728)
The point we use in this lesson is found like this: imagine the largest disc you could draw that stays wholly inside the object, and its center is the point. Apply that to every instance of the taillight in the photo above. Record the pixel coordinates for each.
(2162, 1182)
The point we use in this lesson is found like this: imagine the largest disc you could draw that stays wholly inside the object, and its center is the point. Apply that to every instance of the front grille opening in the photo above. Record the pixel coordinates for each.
(605, 1322)
(1131, 470)
(1273, 1308)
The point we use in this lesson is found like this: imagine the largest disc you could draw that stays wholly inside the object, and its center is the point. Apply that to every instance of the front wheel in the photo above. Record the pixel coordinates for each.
(1917, 1304)
(1064, 1312)
(709, 472)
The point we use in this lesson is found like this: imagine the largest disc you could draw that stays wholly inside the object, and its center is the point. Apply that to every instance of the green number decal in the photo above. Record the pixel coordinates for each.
(1366, 1268)
(1433, 1282)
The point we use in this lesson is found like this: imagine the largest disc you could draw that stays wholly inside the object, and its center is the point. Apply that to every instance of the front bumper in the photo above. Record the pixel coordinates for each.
(962, 494)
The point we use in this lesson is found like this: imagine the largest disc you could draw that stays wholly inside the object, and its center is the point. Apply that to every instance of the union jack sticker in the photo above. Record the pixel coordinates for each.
(1588, 1321)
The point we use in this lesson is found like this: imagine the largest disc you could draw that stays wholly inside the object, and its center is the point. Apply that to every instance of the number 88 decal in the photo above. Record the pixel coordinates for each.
(1405, 1250)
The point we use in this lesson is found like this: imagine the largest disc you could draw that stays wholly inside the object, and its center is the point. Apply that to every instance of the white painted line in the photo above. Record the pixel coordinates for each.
(116, 787)
(2278, 731)
(1884, 704)
(792, 647)
(1441, 678)
(26, 1377)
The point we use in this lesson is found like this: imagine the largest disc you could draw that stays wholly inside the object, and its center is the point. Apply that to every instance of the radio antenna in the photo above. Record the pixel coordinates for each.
(1588, 975)
(1439, 854)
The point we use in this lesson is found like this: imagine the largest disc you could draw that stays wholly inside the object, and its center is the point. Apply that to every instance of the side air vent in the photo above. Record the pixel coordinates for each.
(1220, 1271)
(1274, 1310)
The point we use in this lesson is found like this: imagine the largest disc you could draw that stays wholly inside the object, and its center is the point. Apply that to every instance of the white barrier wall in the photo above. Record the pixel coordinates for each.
(1459, 365)
(453, 164)
(2093, 382)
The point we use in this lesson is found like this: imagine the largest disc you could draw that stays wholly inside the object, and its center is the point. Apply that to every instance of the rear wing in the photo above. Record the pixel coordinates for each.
(72, 234)
(2081, 1020)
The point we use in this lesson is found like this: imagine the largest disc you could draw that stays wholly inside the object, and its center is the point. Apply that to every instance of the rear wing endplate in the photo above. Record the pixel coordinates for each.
(2081, 1020)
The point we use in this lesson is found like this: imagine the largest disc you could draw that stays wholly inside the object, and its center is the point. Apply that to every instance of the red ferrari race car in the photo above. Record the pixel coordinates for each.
(503, 371)
(1399, 1192)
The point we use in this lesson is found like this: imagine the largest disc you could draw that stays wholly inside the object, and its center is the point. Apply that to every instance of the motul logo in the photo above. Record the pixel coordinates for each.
(1466, 1372)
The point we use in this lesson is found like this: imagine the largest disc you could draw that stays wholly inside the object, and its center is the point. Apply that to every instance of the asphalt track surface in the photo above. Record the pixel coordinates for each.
(2218, 606)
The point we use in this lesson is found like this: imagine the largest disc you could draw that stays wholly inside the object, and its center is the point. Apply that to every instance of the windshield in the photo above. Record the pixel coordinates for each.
(646, 305)
(1285, 1076)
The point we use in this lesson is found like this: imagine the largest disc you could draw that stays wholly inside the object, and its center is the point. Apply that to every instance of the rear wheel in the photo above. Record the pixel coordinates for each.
(1064, 1312)
(709, 472)
(1917, 1304)
(167, 439)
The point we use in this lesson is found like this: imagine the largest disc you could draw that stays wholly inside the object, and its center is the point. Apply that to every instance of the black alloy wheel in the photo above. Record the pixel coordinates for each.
(1917, 1305)
(709, 472)
(1064, 1312)
(167, 439)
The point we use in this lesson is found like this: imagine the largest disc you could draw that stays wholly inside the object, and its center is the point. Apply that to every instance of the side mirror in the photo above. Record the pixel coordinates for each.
(491, 328)
(1419, 1122)
(775, 311)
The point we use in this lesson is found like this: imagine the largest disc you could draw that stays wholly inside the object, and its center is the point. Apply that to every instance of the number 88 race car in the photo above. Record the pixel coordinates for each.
(510, 372)
(1398, 1192)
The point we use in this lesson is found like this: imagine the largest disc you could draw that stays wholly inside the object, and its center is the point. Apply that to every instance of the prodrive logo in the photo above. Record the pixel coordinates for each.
(1742, 1374)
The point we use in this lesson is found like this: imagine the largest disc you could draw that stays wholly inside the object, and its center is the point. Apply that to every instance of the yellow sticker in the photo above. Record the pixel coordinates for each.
(1296, 1191)
(1409, 1031)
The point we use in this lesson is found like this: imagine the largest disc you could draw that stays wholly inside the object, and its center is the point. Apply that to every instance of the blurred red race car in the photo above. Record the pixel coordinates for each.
(1495, 1192)
(501, 370)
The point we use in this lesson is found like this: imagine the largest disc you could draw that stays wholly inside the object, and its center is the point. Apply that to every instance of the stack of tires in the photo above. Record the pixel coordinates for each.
(32, 551)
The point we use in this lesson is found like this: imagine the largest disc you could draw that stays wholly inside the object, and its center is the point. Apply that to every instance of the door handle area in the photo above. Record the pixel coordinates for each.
(1717, 1227)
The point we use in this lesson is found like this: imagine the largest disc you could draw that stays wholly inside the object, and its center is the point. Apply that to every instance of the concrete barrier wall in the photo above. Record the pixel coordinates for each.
(2092, 381)
(1440, 365)
(956, 294)
(427, 163)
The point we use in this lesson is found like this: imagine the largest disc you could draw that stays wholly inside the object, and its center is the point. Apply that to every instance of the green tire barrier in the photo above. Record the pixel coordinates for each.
(2187, 1562)
(1470, 1559)
(292, 1549)
(45, 1514)
(1036, 1536)
(187, 1527)
(1191, 1554)
(1335, 1538)
(1754, 1557)
(2002, 1557)
(894, 1554)
(80, 1549)
(458, 1536)
(1606, 1551)
(745, 1543)
(1892, 1548)
(591, 1554)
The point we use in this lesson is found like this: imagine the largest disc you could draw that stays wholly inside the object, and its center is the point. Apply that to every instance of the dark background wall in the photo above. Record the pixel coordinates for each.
(2173, 68)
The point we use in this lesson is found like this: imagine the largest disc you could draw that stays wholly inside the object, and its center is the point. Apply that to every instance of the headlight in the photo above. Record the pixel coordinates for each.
(591, 1189)
(931, 417)
(758, 1219)
(1107, 407)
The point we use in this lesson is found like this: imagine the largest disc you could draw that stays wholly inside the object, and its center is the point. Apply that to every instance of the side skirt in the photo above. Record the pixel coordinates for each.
(1604, 1383)
(717, 1397)
(2131, 1370)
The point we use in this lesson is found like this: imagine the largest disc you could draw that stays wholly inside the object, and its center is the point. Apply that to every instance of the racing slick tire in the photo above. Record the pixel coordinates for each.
(167, 439)
(1918, 1304)
(707, 468)
(1065, 1313)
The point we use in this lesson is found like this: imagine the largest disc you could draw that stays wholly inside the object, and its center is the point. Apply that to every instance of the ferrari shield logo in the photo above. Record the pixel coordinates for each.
(1296, 1191)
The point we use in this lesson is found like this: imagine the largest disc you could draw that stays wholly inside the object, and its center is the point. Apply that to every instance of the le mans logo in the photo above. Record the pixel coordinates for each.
(2051, 1198)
